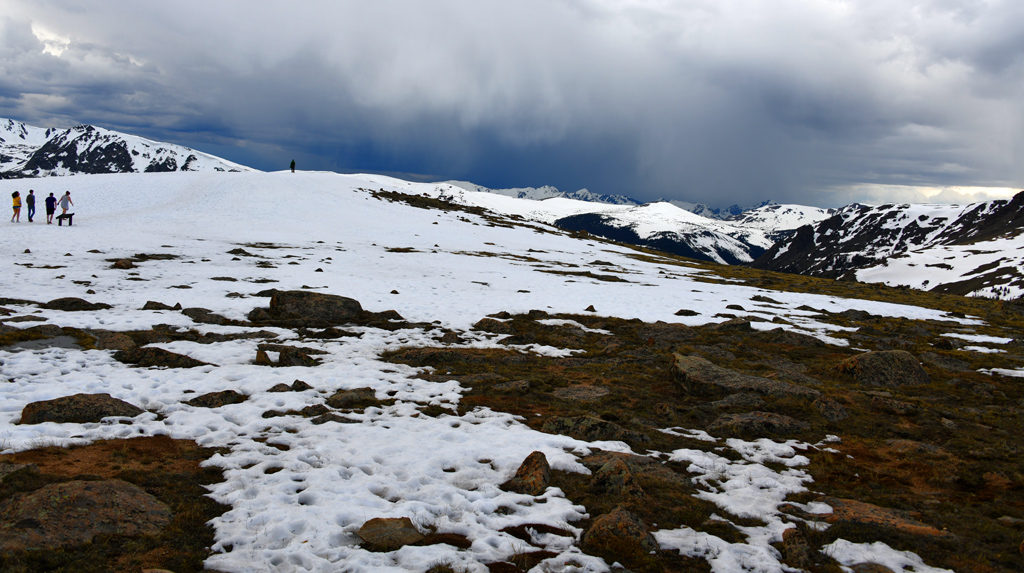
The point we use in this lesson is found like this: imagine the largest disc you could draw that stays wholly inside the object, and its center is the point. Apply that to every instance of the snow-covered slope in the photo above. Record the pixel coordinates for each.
(659, 225)
(27, 151)
(776, 219)
(18, 142)
(298, 491)
(547, 192)
(963, 249)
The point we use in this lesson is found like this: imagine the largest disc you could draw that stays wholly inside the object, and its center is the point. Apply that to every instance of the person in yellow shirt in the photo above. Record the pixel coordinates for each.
(16, 217)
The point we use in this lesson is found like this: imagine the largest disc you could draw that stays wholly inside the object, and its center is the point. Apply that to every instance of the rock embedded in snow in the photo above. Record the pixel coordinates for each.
(72, 304)
(354, 399)
(77, 408)
(217, 399)
(532, 477)
(304, 309)
(153, 305)
(308, 309)
(151, 356)
(389, 533)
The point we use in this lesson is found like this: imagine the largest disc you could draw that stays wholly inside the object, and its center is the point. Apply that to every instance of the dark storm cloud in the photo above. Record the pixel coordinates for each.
(720, 101)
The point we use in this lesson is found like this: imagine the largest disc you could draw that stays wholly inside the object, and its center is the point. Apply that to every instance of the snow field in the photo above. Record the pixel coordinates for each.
(298, 491)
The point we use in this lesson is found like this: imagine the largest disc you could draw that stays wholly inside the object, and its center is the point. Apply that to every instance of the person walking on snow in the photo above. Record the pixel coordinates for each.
(30, 201)
(65, 203)
(16, 199)
(51, 206)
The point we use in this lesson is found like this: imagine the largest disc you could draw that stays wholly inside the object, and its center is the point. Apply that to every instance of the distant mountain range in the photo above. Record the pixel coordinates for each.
(975, 249)
(27, 151)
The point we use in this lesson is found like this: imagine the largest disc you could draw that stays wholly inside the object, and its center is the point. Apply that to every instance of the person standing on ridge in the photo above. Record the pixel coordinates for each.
(16, 200)
(293, 166)
(51, 206)
(30, 201)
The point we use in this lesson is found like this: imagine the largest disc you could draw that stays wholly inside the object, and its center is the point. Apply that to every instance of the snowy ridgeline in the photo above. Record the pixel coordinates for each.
(28, 151)
(298, 507)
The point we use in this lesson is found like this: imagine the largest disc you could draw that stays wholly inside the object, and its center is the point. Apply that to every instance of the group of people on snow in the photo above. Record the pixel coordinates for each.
(51, 206)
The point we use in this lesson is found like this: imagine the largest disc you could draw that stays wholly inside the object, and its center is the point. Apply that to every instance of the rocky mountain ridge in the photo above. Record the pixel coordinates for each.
(973, 249)
(28, 151)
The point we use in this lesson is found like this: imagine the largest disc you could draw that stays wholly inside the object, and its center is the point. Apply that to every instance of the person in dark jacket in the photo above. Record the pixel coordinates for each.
(51, 207)
(30, 202)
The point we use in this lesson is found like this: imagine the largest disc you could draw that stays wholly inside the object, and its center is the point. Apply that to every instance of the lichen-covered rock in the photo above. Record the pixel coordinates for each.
(389, 533)
(591, 428)
(619, 535)
(616, 479)
(886, 368)
(354, 399)
(107, 340)
(77, 408)
(73, 513)
(851, 511)
(532, 477)
(831, 409)
(699, 376)
(757, 424)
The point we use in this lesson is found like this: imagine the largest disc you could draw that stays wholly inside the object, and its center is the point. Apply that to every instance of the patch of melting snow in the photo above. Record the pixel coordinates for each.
(980, 338)
(1018, 373)
(984, 349)
(574, 324)
(849, 554)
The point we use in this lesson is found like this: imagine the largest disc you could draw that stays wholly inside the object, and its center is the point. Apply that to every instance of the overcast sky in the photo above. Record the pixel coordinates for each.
(820, 102)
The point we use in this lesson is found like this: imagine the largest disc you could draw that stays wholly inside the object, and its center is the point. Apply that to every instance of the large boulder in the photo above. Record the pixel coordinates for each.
(305, 309)
(699, 376)
(78, 408)
(887, 368)
(73, 513)
(308, 309)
